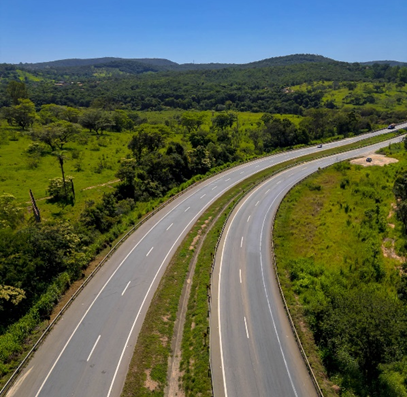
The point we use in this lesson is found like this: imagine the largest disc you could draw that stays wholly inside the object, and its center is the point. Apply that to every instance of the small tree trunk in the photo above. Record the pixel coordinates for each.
(61, 163)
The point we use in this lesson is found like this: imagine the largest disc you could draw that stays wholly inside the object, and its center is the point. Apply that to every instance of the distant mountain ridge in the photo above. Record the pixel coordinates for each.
(164, 64)
(99, 68)
(391, 63)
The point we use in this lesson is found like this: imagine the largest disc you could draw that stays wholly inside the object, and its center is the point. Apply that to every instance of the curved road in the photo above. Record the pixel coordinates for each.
(254, 352)
(89, 350)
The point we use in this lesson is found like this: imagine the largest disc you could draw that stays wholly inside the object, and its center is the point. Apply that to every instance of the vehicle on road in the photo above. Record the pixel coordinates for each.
(369, 159)
(391, 126)
(319, 146)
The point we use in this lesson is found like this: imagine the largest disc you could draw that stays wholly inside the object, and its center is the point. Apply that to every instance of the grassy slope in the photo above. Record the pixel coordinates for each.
(392, 97)
(328, 229)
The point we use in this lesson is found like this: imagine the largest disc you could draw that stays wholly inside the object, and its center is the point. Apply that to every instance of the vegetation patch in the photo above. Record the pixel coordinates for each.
(341, 274)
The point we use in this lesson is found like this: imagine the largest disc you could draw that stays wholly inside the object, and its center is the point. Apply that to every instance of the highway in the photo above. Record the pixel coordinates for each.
(254, 352)
(89, 350)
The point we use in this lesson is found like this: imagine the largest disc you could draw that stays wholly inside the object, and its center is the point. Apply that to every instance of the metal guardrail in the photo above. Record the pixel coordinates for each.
(135, 227)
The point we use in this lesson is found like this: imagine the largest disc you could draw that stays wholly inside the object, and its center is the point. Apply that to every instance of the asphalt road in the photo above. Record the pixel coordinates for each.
(89, 350)
(254, 352)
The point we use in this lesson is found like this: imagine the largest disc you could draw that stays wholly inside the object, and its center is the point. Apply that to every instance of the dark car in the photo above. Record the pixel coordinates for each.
(391, 127)
(369, 159)
(319, 146)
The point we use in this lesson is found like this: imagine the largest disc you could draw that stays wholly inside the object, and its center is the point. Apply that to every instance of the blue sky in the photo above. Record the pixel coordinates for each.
(211, 31)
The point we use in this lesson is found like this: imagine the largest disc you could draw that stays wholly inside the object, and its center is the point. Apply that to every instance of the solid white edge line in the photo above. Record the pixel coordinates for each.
(169, 227)
(245, 324)
(127, 286)
(268, 301)
(148, 253)
(93, 348)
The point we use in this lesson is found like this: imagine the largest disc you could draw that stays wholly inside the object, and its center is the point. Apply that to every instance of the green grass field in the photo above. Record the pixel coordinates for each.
(91, 162)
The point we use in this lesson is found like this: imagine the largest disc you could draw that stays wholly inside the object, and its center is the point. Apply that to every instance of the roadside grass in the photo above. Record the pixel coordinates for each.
(91, 161)
(147, 374)
(330, 210)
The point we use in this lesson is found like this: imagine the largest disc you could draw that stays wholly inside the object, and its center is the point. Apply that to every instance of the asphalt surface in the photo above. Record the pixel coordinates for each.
(89, 350)
(254, 352)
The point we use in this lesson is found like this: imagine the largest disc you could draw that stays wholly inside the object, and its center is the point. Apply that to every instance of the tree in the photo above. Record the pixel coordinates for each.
(127, 175)
(362, 328)
(96, 120)
(402, 74)
(224, 120)
(200, 162)
(60, 155)
(57, 134)
(148, 138)
(23, 114)
(121, 121)
(16, 90)
(11, 215)
(400, 187)
(51, 113)
(192, 121)
(12, 294)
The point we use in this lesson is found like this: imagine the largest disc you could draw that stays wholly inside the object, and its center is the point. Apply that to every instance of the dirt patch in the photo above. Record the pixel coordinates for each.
(389, 252)
(150, 384)
(103, 184)
(195, 240)
(377, 159)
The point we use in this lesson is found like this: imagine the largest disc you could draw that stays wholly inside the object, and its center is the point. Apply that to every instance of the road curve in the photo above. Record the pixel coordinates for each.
(89, 350)
(253, 349)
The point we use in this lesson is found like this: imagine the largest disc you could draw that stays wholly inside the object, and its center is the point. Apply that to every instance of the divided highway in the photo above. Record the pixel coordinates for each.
(254, 352)
(89, 350)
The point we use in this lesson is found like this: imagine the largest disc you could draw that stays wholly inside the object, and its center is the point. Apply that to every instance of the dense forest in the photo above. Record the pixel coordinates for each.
(154, 126)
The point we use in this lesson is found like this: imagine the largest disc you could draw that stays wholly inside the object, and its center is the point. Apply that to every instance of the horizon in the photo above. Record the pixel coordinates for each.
(214, 32)
(201, 63)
